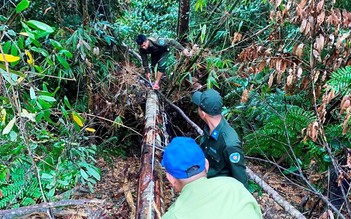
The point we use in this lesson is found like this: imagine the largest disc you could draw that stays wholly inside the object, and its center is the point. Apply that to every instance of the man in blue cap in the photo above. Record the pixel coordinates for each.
(159, 49)
(200, 197)
(220, 141)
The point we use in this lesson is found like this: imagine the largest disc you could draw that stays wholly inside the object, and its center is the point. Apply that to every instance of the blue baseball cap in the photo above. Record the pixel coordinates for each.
(183, 158)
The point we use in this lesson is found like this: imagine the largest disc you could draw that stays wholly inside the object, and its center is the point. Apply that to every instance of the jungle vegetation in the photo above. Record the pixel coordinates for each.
(67, 93)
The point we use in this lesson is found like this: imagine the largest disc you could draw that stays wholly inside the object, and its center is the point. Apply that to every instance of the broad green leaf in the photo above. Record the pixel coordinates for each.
(64, 112)
(22, 6)
(3, 71)
(67, 53)
(40, 26)
(9, 126)
(46, 98)
(84, 174)
(65, 99)
(6, 47)
(56, 44)
(32, 93)
(63, 61)
(94, 173)
(47, 176)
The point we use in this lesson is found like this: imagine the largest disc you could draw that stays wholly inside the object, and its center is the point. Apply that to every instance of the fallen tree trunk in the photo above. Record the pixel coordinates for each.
(275, 195)
(45, 207)
(149, 200)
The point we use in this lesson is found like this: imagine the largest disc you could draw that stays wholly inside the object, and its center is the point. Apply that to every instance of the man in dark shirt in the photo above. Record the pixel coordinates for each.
(220, 141)
(159, 49)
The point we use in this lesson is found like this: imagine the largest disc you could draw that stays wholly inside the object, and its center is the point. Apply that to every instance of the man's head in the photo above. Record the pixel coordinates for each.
(142, 41)
(210, 101)
(183, 159)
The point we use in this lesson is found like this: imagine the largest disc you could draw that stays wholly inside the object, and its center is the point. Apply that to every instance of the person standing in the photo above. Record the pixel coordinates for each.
(220, 141)
(159, 49)
(200, 197)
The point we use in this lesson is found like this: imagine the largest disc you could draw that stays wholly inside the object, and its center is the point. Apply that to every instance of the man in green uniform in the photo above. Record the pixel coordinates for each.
(200, 197)
(159, 49)
(220, 141)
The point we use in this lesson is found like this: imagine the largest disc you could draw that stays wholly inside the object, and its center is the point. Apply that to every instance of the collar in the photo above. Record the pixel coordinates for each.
(216, 131)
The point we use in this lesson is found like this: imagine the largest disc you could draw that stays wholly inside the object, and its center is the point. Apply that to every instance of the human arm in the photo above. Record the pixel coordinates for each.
(178, 46)
(145, 63)
(234, 158)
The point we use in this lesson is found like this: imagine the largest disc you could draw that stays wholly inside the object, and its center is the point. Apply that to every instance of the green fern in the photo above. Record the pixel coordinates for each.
(22, 189)
(271, 138)
(341, 80)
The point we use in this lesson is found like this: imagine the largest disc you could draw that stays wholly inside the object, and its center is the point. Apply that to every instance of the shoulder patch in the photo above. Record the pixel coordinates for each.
(161, 42)
(234, 157)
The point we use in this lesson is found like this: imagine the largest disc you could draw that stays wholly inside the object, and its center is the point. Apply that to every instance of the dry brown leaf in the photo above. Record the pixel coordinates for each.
(244, 96)
(307, 29)
(319, 43)
(271, 15)
(261, 66)
(345, 126)
(302, 4)
(270, 81)
(320, 6)
(327, 215)
(236, 38)
(320, 18)
(316, 55)
(289, 80)
(278, 65)
(348, 161)
(299, 50)
(299, 72)
(277, 3)
(341, 39)
(303, 25)
(283, 65)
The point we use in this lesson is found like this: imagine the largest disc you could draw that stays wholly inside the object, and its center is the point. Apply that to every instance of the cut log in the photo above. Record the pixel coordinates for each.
(149, 200)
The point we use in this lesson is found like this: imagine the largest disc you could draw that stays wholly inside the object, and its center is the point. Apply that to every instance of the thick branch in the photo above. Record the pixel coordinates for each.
(13, 213)
(275, 195)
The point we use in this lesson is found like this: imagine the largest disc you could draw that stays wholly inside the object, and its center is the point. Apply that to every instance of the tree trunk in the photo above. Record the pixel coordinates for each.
(149, 200)
(183, 20)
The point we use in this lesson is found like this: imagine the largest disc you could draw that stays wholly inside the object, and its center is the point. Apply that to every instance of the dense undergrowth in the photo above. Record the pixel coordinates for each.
(68, 87)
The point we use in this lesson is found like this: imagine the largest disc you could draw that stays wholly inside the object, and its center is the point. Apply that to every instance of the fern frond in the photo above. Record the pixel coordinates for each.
(341, 80)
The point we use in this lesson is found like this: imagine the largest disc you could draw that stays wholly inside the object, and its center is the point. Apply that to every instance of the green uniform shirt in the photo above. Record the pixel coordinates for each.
(223, 151)
(216, 198)
(158, 48)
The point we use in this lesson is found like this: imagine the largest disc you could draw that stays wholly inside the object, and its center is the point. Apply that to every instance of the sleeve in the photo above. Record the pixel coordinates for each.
(175, 44)
(234, 158)
(144, 61)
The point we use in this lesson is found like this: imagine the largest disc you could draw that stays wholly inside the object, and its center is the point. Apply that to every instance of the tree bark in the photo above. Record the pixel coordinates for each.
(149, 200)
(183, 20)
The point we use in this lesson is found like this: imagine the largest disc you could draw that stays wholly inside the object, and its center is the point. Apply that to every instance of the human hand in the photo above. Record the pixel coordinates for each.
(186, 53)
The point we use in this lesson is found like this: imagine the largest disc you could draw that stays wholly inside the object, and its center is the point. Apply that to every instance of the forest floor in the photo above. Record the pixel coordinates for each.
(119, 184)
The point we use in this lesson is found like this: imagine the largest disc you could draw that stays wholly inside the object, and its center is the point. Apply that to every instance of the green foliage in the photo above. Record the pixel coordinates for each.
(340, 80)
(21, 189)
(44, 138)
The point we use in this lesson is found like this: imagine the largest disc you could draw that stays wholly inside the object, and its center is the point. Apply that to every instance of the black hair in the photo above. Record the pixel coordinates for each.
(140, 39)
